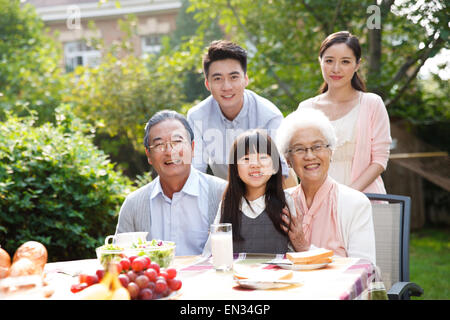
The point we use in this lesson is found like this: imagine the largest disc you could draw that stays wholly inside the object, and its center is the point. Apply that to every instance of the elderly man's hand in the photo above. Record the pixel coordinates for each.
(295, 232)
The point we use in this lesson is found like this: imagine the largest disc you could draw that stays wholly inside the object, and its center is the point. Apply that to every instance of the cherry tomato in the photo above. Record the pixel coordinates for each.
(125, 263)
(131, 258)
(174, 284)
(82, 277)
(138, 264)
(171, 272)
(77, 287)
(100, 273)
(155, 266)
(91, 279)
(148, 261)
(164, 275)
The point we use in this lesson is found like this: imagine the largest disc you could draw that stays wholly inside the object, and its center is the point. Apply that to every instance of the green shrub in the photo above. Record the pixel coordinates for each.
(56, 187)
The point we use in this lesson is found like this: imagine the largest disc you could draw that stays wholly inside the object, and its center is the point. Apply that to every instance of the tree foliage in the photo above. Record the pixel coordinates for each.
(120, 95)
(30, 75)
(283, 39)
(188, 38)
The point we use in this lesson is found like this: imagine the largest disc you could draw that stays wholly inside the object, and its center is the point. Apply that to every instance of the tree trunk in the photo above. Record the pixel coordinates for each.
(375, 36)
(375, 61)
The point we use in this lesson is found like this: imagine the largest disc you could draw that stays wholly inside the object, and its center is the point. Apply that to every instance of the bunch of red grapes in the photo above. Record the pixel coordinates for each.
(143, 278)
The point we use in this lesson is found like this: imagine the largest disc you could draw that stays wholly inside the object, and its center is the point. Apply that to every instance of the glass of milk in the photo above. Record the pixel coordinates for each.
(222, 246)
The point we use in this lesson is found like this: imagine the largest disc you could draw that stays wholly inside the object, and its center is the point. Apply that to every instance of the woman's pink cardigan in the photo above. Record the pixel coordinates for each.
(373, 138)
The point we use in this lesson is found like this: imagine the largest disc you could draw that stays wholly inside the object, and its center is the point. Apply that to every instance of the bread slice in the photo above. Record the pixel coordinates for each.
(310, 257)
(318, 261)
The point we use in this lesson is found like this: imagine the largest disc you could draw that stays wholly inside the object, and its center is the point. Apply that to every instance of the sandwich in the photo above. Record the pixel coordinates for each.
(315, 256)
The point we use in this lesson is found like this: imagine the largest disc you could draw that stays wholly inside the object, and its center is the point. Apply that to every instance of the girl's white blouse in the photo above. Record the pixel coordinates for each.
(258, 206)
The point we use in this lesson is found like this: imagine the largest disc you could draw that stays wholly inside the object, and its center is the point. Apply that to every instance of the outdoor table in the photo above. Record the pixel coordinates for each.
(344, 278)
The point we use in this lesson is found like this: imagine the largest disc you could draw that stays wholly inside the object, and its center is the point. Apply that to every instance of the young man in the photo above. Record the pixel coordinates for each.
(179, 204)
(230, 110)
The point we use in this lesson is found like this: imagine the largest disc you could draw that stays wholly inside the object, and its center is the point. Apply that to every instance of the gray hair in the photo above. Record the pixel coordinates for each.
(166, 115)
(305, 117)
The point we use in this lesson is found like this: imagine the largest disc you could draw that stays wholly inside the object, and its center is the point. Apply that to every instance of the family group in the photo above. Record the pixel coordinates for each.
(284, 183)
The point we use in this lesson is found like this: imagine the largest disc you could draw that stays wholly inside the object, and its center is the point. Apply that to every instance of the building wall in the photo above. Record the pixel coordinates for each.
(68, 20)
(108, 29)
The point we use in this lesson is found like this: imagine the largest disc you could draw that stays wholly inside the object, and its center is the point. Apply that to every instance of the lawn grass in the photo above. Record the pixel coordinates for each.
(429, 262)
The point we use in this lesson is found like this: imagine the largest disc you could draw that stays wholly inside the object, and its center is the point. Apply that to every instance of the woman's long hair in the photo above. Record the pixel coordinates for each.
(353, 43)
(252, 141)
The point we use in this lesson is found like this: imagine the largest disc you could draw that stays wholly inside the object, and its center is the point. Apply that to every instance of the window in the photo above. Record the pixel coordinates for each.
(151, 44)
(77, 53)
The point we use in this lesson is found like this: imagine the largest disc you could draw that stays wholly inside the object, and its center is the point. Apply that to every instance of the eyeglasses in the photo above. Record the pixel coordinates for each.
(315, 149)
(161, 147)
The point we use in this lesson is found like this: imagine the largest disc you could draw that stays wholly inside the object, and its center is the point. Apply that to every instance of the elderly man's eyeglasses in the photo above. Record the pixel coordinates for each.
(315, 149)
(161, 147)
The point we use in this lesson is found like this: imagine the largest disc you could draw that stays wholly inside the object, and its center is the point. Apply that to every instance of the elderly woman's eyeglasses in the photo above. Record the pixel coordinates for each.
(161, 147)
(300, 150)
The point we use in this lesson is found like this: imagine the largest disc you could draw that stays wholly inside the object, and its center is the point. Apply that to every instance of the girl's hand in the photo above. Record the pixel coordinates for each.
(295, 232)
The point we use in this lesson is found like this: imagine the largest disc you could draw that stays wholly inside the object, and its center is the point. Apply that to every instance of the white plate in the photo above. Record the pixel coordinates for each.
(303, 266)
(264, 284)
(288, 265)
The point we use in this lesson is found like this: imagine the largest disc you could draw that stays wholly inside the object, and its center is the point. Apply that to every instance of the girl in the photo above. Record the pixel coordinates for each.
(359, 118)
(254, 199)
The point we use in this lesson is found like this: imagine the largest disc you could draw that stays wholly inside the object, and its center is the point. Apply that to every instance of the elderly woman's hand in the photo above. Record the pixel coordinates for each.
(295, 232)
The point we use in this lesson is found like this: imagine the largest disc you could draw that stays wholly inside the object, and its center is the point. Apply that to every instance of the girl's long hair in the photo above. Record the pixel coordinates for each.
(353, 43)
(252, 141)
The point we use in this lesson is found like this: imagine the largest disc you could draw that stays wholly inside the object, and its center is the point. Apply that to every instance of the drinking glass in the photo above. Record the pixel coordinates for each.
(222, 246)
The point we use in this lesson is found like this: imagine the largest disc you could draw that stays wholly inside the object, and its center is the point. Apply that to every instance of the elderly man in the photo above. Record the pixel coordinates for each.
(230, 110)
(179, 204)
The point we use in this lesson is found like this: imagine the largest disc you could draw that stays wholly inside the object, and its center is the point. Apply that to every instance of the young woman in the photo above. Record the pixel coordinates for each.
(359, 118)
(254, 201)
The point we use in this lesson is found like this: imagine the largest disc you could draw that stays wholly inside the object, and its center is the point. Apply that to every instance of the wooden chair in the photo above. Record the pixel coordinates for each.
(391, 218)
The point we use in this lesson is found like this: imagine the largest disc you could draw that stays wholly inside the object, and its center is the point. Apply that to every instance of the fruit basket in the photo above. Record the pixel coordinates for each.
(161, 252)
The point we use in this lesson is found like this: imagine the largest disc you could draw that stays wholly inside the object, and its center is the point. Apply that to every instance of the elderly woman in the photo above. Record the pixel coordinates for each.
(329, 214)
